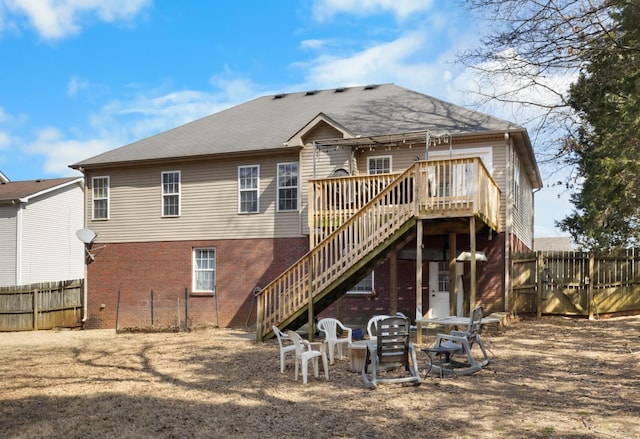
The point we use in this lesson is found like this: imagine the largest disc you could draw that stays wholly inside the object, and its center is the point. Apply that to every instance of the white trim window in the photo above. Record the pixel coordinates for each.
(248, 189)
(287, 186)
(171, 193)
(516, 181)
(100, 198)
(379, 165)
(365, 286)
(204, 270)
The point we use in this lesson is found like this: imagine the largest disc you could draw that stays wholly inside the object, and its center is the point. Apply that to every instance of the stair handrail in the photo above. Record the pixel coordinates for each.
(372, 224)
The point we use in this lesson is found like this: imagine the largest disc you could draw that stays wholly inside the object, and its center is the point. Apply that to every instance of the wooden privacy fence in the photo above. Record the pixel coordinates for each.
(45, 305)
(576, 283)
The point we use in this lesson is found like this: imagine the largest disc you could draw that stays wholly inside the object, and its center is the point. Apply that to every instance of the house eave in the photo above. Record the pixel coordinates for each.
(82, 167)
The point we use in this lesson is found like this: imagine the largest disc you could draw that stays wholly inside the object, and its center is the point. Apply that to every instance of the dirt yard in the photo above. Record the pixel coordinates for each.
(553, 378)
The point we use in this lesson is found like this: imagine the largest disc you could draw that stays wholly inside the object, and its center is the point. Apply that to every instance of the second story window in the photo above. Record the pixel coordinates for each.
(100, 195)
(171, 193)
(248, 179)
(379, 165)
(287, 186)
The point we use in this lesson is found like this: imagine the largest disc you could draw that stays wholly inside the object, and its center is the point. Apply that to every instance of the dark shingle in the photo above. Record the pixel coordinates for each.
(270, 121)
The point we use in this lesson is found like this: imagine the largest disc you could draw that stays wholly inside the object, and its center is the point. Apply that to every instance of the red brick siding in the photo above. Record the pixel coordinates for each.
(134, 269)
(490, 283)
(165, 267)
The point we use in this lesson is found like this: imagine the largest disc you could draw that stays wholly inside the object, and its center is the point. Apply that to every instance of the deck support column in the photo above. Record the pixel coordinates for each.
(453, 278)
(419, 269)
(312, 270)
(472, 241)
(393, 283)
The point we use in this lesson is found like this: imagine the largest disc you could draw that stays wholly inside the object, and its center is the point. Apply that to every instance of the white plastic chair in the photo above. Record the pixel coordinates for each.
(284, 348)
(371, 325)
(305, 353)
(330, 327)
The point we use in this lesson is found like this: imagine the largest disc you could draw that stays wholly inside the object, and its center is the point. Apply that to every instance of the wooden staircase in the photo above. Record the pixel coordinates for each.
(345, 247)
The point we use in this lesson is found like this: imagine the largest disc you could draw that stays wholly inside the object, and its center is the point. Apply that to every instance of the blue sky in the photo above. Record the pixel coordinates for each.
(79, 77)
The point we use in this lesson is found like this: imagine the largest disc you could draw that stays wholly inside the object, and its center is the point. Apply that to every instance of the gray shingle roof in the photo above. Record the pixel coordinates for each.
(16, 190)
(270, 121)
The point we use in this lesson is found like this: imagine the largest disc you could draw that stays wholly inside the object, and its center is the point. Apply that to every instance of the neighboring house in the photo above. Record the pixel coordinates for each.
(228, 203)
(556, 244)
(38, 224)
(3, 178)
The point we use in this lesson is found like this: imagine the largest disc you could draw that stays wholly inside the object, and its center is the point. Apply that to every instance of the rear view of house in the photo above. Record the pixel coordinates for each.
(360, 198)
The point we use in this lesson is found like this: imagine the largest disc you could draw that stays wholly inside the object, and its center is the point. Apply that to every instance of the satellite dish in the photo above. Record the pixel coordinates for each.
(86, 235)
(340, 172)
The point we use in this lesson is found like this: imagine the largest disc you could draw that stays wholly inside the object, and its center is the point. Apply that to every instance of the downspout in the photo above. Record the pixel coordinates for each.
(315, 157)
(85, 294)
(19, 239)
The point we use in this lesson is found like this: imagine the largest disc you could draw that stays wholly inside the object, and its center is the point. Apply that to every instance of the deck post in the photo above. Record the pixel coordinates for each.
(393, 283)
(453, 278)
(312, 263)
(419, 246)
(472, 240)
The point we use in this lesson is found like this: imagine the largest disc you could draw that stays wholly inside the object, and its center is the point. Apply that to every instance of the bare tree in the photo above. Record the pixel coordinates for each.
(529, 58)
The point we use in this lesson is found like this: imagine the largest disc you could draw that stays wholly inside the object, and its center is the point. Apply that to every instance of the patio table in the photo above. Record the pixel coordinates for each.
(448, 321)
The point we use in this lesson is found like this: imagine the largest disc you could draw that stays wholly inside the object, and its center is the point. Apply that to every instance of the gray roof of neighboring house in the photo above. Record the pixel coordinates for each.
(560, 243)
(270, 121)
(23, 190)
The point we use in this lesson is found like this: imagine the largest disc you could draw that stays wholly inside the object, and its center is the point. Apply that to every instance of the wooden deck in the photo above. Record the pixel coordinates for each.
(355, 220)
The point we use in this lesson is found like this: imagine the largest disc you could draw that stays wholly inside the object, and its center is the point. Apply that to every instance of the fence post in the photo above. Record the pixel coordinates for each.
(117, 309)
(592, 266)
(540, 284)
(259, 315)
(35, 309)
(186, 309)
(151, 298)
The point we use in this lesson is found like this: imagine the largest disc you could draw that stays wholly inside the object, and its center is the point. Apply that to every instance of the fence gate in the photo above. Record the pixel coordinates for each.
(565, 283)
(575, 283)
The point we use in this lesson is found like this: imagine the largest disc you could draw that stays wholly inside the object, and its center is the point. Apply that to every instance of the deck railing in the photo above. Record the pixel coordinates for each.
(350, 216)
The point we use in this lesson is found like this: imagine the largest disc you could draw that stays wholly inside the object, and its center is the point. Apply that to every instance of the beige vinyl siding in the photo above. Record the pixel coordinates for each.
(404, 157)
(209, 203)
(8, 236)
(327, 162)
(523, 211)
(51, 250)
(499, 174)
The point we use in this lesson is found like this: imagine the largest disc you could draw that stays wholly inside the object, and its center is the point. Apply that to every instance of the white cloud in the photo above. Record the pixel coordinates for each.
(312, 44)
(402, 9)
(55, 19)
(395, 61)
(60, 152)
(5, 140)
(124, 121)
(75, 85)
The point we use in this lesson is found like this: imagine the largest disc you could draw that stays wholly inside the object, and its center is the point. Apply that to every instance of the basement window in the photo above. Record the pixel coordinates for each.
(204, 270)
(364, 287)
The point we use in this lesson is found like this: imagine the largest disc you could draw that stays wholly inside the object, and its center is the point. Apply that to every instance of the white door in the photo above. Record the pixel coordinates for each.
(438, 289)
